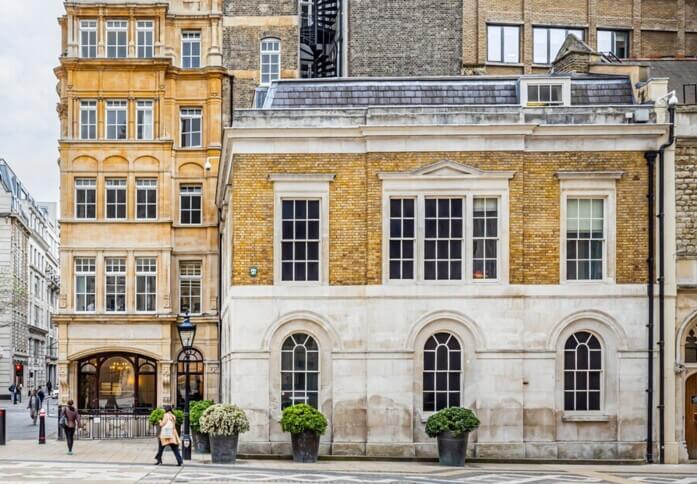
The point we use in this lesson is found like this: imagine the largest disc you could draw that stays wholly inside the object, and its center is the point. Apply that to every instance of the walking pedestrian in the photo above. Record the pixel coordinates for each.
(13, 392)
(69, 419)
(34, 405)
(49, 387)
(19, 392)
(168, 436)
(40, 393)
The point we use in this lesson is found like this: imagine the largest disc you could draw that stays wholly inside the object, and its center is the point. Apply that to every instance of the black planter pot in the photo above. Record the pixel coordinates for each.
(202, 443)
(223, 448)
(452, 449)
(305, 446)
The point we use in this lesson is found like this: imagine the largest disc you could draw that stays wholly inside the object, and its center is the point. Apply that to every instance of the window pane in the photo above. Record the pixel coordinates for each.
(540, 47)
(510, 43)
(494, 43)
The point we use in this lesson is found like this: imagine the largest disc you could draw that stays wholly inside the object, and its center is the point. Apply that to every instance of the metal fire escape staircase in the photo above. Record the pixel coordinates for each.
(320, 39)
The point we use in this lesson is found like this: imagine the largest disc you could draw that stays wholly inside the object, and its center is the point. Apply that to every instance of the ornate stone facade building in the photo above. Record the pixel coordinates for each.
(141, 102)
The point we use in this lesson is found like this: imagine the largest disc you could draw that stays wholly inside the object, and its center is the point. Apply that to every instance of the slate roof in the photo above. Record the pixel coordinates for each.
(353, 93)
(680, 72)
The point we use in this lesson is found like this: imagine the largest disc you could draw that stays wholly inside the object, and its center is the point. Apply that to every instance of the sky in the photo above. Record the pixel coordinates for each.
(29, 50)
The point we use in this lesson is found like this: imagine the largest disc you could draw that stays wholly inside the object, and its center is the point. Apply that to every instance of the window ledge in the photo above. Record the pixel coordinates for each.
(504, 64)
(584, 417)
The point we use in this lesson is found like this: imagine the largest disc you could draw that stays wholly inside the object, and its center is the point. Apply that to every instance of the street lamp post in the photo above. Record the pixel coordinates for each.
(187, 334)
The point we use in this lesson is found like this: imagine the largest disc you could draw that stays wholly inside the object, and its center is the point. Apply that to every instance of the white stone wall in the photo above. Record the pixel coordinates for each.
(371, 340)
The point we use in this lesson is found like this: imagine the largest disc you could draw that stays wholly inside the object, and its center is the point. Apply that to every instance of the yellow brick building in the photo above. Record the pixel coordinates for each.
(141, 108)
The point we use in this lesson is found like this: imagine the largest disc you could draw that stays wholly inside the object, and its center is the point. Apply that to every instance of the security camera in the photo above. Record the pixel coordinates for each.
(208, 165)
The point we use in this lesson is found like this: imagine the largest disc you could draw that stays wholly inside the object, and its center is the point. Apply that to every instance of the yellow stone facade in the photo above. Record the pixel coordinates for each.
(163, 80)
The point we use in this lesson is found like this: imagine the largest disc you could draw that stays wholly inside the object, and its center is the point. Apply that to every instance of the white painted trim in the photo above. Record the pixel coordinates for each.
(298, 177)
(565, 83)
(589, 175)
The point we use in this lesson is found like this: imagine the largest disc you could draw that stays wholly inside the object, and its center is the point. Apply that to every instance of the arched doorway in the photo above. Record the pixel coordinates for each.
(117, 382)
(691, 415)
(195, 377)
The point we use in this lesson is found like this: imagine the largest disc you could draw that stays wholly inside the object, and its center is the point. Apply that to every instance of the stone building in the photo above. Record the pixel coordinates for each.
(265, 40)
(141, 102)
(391, 247)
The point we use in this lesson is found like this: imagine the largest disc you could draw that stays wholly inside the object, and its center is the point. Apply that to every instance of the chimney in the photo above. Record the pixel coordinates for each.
(575, 56)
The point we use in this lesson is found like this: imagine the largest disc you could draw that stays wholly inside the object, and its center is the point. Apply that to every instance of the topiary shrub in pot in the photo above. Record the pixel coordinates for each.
(452, 427)
(202, 443)
(305, 424)
(223, 423)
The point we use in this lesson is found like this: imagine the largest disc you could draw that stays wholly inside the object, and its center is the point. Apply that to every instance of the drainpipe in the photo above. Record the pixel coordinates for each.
(650, 158)
(220, 309)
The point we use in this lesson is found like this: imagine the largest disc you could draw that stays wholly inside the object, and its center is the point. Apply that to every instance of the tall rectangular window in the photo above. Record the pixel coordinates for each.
(144, 38)
(402, 238)
(146, 284)
(116, 39)
(300, 240)
(116, 120)
(503, 44)
(191, 49)
(585, 239)
(190, 127)
(116, 198)
(88, 39)
(146, 198)
(115, 285)
(190, 287)
(190, 204)
(88, 119)
(85, 198)
(548, 40)
(443, 238)
(485, 238)
(615, 42)
(144, 119)
(84, 284)
(270, 61)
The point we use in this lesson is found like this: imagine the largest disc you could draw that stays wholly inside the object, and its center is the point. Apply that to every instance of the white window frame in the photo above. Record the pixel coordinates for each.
(115, 267)
(547, 30)
(146, 184)
(603, 376)
(89, 107)
(270, 47)
(116, 26)
(144, 27)
(116, 184)
(85, 267)
(302, 187)
(191, 114)
(88, 26)
(85, 184)
(459, 182)
(305, 372)
(565, 83)
(191, 37)
(188, 279)
(500, 57)
(595, 185)
(146, 267)
(115, 105)
(188, 190)
(145, 130)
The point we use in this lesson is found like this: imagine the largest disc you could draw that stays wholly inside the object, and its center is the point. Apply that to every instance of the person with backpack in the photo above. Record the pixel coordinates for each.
(34, 405)
(168, 436)
(69, 420)
(13, 392)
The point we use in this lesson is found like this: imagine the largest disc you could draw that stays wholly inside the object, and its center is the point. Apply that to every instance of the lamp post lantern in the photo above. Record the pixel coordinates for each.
(187, 334)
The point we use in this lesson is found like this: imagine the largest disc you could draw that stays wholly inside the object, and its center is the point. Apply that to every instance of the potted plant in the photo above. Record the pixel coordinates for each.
(157, 414)
(202, 443)
(306, 424)
(223, 423)
(452, 427)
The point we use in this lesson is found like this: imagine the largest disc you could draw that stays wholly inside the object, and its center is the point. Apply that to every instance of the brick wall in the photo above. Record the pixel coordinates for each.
(355, 220)
(658, 44)
(686, 196)
(260, 7)
(691, 45)
(405, 37)
(652, 10)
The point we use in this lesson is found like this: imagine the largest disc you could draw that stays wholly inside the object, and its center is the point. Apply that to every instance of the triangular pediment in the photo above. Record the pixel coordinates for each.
(447, 168)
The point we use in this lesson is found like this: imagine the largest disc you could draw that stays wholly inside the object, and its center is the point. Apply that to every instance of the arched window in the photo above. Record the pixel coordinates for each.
(691, 347)
(299, 370)
(270, 61)
(582, 372)
(442, 372)
(195, 377)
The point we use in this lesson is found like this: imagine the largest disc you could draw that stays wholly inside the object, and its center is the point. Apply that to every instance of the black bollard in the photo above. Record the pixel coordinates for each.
(60, 434)
(2, 426)
(42, 426)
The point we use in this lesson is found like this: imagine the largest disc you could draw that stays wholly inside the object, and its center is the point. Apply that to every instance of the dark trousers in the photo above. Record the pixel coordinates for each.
(161, 449)
(69, 437)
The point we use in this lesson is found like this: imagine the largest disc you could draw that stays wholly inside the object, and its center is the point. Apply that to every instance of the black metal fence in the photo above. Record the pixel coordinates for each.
(111, 424)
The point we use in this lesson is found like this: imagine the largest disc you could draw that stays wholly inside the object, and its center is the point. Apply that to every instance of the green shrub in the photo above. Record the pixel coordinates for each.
(302, 417)
(157, 414)
(223, 420)
(454, 419)
(196, 409)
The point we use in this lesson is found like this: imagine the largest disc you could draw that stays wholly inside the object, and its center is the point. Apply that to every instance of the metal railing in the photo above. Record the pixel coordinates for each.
(110, 424)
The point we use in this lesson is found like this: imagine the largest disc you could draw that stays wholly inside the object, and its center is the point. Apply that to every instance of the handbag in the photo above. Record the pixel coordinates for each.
(63, 420)
(167, 431)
